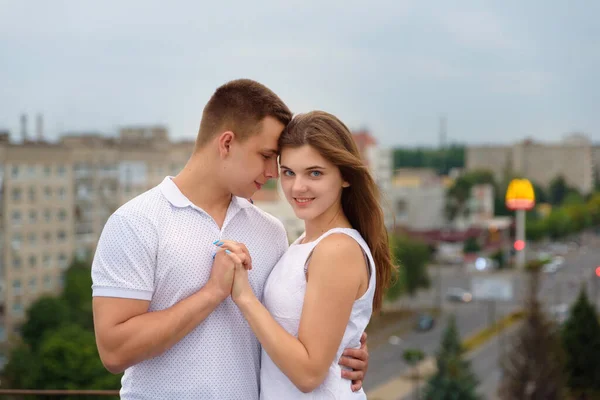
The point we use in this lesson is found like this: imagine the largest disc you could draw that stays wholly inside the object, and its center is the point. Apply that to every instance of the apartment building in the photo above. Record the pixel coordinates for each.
(37, 225)
(575, 158)
(55, 199)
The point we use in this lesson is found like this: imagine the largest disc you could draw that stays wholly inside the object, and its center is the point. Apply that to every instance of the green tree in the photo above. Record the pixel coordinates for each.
(78, 293)
(460, 192)
(413, 357)
(536, 230)
(558, 190)
(69, 360)
(581, 341)
(579, 216)
(44, 315)
(559, 223)
(58, 350)
(453, 378)
(412, 257)
(471, 245)
(442, 160)
(540, 194)
(23, 369)
(533, 367)
(593, 206)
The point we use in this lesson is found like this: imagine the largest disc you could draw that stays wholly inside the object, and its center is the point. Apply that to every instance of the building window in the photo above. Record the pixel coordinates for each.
(32, 194)
(32, 216)
(33, 285)
(47, 171)
(62, 236)
(16, 262)
(18, 309)
(16, 286)
(61, 281)
(62, 261)
(32, 261)
(14, 172)
(16, 217)
(31, 171)
(47, 193)
(47, 215)
(47, 282)
(47, 237)
(62, 214)
(17, 239)
(17, 194)
(401, 208)
(62, 193)
(32, 238)
(62, 171)
(47, 260)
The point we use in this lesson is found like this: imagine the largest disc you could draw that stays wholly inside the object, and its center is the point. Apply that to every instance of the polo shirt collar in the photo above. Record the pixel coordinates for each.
(172, 193)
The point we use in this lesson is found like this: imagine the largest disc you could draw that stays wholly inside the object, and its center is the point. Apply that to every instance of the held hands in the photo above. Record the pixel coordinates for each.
(230, 270)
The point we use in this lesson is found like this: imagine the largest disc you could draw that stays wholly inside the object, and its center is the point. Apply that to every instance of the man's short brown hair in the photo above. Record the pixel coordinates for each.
(239, 106)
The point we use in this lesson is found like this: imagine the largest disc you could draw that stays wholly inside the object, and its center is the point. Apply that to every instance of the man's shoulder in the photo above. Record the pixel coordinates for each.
(147, 205)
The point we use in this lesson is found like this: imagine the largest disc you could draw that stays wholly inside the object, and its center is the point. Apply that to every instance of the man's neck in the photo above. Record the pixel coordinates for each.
(199, 183)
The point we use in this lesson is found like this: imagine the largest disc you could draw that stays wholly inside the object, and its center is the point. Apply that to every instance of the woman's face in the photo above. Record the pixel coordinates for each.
(311, 184)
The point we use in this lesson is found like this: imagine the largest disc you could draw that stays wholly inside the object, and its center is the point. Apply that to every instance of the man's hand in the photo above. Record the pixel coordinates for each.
(221, 276)
(358, 361)
(238, 249)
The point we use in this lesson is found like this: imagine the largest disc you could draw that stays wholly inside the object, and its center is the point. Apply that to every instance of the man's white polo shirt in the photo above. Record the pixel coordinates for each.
(159, 247)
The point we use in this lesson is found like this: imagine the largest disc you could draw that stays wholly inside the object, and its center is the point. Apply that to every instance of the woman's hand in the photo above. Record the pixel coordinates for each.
(241, 289)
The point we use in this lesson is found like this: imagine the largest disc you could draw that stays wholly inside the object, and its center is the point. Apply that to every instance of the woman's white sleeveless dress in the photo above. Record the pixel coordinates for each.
(284, 296)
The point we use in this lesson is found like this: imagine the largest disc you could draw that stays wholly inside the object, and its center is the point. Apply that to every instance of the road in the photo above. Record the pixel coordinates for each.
(562, 287)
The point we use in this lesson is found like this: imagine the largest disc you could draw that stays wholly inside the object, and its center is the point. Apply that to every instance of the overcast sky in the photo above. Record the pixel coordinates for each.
(498, 72)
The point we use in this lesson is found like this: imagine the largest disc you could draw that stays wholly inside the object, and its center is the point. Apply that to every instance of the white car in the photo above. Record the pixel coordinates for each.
(559, 313)
(553, 265)
(459, 295)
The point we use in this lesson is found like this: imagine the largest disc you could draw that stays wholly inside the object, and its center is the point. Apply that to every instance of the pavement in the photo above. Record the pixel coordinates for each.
(386, 379)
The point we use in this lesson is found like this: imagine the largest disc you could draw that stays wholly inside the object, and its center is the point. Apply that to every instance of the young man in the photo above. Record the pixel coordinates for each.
(162, 311)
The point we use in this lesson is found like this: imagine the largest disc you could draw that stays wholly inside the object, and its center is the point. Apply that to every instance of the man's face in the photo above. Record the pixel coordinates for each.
(253, 162)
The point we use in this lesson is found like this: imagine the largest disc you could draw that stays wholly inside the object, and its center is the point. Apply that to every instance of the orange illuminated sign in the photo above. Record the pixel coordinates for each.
(520, 195)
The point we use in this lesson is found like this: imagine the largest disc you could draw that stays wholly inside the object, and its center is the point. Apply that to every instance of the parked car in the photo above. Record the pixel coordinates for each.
(425, 322)
(560, 313)
(554, 265)
(459, 295)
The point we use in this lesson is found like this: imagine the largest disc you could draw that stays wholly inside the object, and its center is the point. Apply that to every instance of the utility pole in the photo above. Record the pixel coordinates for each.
(443, 147)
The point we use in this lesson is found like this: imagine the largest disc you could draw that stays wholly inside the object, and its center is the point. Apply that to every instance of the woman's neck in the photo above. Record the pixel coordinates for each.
(328, 220)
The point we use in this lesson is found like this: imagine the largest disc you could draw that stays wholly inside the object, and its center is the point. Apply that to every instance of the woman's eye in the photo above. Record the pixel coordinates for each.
(315, 174)
(287, 172)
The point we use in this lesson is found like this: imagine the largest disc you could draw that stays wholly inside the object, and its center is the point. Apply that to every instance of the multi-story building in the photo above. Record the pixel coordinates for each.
(418, 199)
(575, 159)
(380, 161)
(55, 199)
(37, 222)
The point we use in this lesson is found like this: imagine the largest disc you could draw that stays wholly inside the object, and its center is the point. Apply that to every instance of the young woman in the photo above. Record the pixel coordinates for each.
(319, 297)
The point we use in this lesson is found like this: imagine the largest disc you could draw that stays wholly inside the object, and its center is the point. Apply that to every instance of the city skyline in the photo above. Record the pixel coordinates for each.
(499, 73)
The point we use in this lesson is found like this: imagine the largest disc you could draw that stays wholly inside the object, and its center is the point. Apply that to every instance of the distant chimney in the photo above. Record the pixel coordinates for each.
(39, 125)
(24, 127)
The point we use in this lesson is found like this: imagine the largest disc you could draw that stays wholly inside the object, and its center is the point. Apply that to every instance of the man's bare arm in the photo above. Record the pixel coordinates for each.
(126, 333)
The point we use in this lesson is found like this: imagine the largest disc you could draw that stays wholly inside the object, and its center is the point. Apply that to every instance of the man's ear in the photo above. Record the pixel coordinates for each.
(225, 140)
